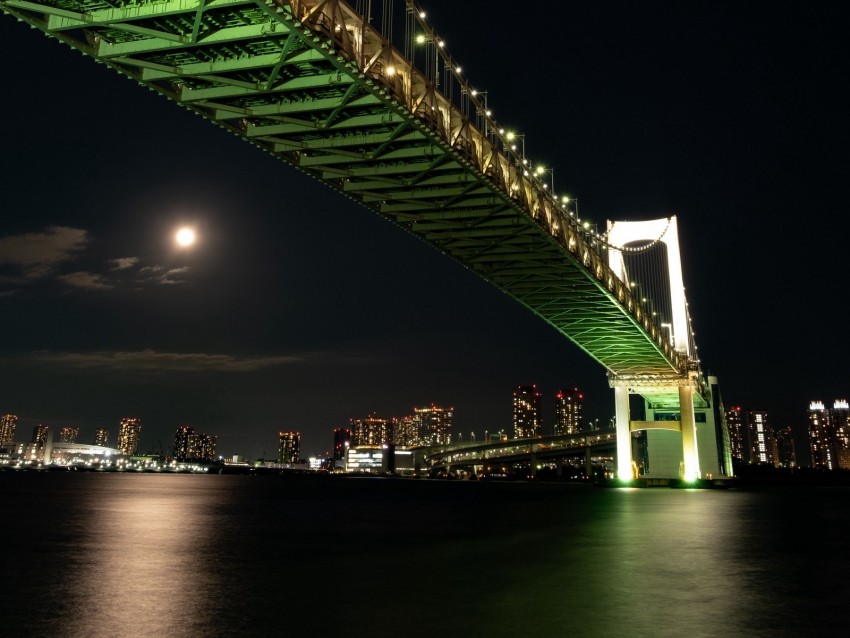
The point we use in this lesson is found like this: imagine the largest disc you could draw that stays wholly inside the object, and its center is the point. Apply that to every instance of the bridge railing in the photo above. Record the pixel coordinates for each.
(488, 152)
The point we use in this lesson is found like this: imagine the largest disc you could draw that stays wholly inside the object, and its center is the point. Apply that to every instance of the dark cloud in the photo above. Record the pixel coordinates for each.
(153, 361)
(86, 280)
(123, 263)
(31, 256)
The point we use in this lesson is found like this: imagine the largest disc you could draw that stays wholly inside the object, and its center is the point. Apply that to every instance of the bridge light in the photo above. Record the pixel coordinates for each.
(488, 112)
(422, 14)
(390, 70)
(458, 69)
(420, 39)
(473, 92)
(511, 135)
(441, 44)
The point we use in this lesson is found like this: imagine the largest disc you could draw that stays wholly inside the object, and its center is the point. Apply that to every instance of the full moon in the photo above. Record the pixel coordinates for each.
(185, 236)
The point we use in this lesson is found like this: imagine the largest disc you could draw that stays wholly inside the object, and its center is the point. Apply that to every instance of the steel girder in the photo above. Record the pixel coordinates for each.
(310, 82)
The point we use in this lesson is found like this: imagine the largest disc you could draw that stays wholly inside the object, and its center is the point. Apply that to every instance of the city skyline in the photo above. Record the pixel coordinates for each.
(277, 306)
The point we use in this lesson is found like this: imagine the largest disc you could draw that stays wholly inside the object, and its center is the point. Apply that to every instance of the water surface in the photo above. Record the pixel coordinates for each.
(101, 555)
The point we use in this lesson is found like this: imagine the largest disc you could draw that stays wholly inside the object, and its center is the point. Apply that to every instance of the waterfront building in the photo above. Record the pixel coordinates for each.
(8, 423)
(434, 425)
(406, 431)
(289, 449)
(786, 448)
(182, 448)
(342, 436)
(527, 421)
(68, 434)
(129, 430)
(735, 418)
(821, 440)
(762, 441)
(39, 435)
(101, 437)
(66, 453)
(568, 408)
(841, 432)
(193, 446)
(372, 430)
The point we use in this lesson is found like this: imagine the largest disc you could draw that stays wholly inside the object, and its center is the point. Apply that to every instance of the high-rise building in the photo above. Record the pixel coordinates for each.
(762, 440)
(341, 437)
(8, 423)
(204, 447)
(821, 440)
(434, 425)
(193, 446)
(182, 450)
(39, 435)
(372, 430)
(289, 450)
(527, 422)
(568, 403)
(406, 431)
(101, 437)
(128, 435)
(840, 421)
(68, 434)
(786, 447)
(735, 423)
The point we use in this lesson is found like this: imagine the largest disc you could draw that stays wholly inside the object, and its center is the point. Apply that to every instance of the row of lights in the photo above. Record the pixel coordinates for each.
(506, 136)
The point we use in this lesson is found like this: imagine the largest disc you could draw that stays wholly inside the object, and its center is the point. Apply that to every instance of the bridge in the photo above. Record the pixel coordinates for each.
(478, 456)
(387, 118)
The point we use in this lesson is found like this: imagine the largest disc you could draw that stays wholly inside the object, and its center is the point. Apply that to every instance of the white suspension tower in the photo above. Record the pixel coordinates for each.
(663, 230)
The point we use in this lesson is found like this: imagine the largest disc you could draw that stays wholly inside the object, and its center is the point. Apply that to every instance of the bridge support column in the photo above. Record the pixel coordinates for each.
(689, 432)
(588, 463)
(624, 435)
(533, 472)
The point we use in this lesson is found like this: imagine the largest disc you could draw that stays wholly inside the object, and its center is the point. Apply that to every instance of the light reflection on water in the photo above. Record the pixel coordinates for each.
(148, 555)
(144, 555)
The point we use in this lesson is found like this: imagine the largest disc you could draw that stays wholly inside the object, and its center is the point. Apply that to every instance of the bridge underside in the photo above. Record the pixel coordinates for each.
(307, 83)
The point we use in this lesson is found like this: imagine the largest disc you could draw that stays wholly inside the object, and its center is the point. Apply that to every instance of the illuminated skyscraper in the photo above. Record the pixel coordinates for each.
(735, 423)
(762, 440)
(372, 430)
(68, 434)
(39, 435)
(182, 450)
(434, 425)
(527, 420)
(821, 441)
(8, 423)
(341, 437)
(193, 446)
(204, 446)
(289, 450)
(101, 437)
(406, 431)
(841, 432)
(128, 435)
(568, 403)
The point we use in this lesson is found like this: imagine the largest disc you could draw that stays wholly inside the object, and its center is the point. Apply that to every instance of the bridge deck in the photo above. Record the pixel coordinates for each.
(312, 84)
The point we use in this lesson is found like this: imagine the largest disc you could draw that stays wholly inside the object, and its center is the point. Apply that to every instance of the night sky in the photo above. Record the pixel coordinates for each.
(298, 309)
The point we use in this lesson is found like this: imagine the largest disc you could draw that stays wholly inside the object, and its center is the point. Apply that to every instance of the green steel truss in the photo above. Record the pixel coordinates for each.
(312, 84)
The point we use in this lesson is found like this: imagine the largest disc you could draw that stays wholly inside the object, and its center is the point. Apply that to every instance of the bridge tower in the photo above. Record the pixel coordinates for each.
(677, 420)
